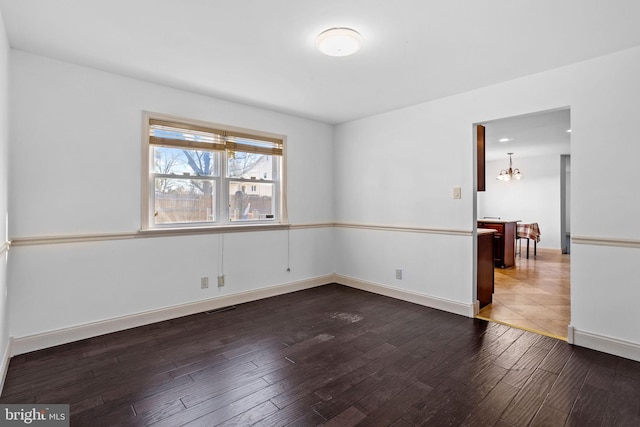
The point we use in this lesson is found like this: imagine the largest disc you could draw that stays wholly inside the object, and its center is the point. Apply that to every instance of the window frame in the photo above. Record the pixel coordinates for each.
(222, 198)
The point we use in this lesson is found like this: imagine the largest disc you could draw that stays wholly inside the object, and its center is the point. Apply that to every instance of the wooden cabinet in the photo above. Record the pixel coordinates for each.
(504, 241)
(485, 266)
(480, 148)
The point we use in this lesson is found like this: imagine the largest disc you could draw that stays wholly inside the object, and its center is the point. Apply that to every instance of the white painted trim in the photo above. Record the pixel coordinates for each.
(605, 241)
(74, 238)
(618, 347)
(410, 296)
(169, 232)
(74, 333)
(5, 247)
(476, 308)
(142, 234)
(96, 237)
(312, 225)
(428, 230)
(570, 337)
(4, 363)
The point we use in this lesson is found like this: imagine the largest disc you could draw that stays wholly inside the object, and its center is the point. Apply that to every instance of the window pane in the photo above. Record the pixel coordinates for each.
(179, 161)
(184, 200)
(251, 201)
(250, 165)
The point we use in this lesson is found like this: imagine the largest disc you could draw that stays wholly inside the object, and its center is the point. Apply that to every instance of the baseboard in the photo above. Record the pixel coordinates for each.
(29, 343)
(409, 296)
(617, 347)
(570, 334)
(4, 367)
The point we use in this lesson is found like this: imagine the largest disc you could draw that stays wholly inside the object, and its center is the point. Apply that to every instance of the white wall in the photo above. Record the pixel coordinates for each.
(414, 156)
(76, 155)
(536, 198)
(568, 195)
(396, 169)
(4, 147)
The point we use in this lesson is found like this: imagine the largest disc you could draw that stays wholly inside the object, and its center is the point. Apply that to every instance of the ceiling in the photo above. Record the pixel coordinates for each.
(262, 53)
(531, 135)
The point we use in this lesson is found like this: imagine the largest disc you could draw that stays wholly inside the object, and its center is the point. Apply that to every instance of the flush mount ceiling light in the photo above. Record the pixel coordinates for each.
(507, 174)
(339, 41)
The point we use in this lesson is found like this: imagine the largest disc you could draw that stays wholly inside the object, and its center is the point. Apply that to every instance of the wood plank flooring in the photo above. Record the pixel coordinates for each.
(534, 294)
(333, 356)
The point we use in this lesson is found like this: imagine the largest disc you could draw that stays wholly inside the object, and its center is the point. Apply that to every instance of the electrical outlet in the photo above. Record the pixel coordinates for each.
(399, 274)
(204, 282)
(221, 281)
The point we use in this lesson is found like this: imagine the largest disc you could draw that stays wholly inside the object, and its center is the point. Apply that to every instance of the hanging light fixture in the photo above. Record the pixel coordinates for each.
(507, 174)
(339, 41)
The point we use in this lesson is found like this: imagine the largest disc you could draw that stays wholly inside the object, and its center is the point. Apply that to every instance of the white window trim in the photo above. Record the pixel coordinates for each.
(147, 208)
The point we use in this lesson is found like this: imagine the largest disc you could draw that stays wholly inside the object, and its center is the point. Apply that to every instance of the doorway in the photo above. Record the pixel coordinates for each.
(534, 293)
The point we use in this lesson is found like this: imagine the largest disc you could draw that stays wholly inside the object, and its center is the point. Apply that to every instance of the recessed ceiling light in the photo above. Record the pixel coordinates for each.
(504, 140)
(569, 130)
(339, 41)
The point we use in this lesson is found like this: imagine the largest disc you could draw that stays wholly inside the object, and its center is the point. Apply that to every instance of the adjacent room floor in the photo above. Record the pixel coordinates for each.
(333, 356)
(535, 294)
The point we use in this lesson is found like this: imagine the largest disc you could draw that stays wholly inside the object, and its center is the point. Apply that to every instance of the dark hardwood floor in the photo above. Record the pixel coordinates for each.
(330, 355)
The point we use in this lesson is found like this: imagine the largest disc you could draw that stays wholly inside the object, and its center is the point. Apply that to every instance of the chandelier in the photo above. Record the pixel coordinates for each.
(507, 174)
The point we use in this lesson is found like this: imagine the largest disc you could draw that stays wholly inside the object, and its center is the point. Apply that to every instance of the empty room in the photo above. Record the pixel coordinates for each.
(287, 213)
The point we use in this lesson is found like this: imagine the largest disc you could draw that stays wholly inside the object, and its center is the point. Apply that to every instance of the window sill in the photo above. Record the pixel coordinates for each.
(175, 231)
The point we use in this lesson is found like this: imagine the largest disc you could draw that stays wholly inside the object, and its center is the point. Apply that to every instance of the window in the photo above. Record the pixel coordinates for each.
(209, 176)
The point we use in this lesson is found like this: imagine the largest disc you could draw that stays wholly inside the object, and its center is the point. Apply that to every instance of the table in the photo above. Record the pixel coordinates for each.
(530, 231)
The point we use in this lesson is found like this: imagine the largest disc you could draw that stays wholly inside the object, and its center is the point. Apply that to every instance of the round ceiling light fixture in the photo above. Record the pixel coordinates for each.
(339, 41)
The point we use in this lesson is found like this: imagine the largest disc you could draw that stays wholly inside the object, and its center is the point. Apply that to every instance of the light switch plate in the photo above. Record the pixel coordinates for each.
(457, 192)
